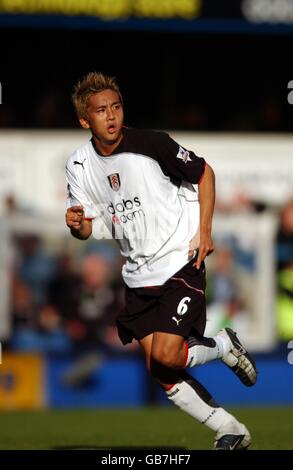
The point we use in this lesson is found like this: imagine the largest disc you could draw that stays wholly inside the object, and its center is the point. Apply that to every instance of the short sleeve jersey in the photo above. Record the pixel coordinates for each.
(145, 196)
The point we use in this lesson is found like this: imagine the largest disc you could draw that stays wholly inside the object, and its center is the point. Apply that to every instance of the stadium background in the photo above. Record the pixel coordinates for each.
(216, 76)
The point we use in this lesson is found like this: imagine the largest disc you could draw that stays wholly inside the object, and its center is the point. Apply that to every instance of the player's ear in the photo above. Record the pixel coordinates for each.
(84, 123)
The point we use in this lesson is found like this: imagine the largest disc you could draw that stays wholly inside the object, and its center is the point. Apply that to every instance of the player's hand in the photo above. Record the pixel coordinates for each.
(193, 244)
(206, 247)
(74, 217)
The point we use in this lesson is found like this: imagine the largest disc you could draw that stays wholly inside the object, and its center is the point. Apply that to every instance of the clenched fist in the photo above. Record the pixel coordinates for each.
(74, 217)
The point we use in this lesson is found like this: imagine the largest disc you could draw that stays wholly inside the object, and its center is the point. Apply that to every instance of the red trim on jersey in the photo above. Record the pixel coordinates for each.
(200, 179)
(186, 353)
(88, 218)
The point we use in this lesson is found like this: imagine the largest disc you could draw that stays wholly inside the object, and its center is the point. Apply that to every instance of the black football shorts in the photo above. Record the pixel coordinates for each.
(177, 307)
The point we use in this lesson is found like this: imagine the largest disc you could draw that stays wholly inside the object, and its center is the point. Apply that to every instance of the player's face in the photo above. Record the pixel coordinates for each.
(104, 117)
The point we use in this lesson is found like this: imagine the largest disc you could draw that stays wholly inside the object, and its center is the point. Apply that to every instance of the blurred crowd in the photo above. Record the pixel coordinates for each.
(64, 301)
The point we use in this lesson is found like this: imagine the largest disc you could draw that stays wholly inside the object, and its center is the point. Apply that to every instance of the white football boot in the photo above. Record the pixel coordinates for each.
(239, 360)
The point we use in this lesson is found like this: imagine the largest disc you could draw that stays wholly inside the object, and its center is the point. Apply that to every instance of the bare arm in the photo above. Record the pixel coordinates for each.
(206, 191)
(79, 227)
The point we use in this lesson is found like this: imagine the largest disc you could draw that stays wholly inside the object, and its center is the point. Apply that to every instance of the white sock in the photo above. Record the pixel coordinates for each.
(188, 399)
(202, 350)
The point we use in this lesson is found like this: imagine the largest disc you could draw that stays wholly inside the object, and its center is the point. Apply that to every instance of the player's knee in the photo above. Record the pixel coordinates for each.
(164, 356)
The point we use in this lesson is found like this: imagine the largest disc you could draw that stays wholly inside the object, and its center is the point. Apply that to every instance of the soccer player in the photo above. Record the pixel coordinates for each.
(157, 199)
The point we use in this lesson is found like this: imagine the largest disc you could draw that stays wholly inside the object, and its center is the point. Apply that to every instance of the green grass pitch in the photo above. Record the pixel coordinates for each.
(142, 428)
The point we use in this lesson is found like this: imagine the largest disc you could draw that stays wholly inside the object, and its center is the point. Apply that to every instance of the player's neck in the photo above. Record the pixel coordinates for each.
(104, 148)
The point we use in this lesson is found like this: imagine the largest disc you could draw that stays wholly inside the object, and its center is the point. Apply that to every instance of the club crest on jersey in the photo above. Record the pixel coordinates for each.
(183, 155)
(114, 181)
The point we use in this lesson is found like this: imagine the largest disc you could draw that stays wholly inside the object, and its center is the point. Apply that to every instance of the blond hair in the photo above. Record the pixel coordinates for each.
(92, 83)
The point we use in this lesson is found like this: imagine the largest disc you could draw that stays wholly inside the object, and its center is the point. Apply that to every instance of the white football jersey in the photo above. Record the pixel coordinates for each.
(145, 194)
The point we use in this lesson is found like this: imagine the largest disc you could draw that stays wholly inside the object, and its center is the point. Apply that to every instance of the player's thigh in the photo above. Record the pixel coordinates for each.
(146, 345)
